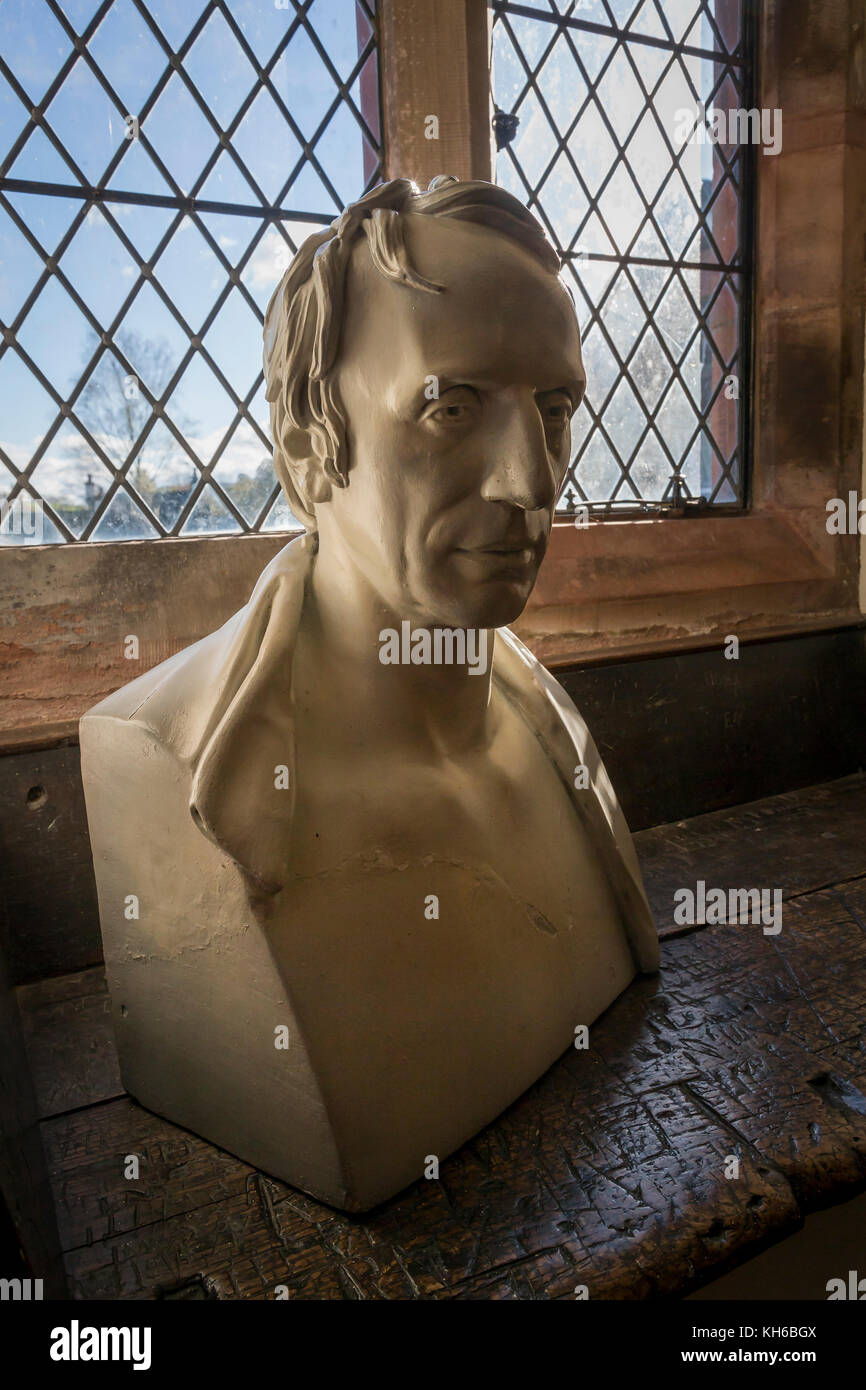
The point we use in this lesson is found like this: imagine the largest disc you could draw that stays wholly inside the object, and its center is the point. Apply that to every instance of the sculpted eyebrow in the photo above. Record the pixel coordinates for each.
(424, 395)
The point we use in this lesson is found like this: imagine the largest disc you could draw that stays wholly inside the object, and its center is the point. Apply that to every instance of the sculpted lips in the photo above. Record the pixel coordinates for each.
(505, 552)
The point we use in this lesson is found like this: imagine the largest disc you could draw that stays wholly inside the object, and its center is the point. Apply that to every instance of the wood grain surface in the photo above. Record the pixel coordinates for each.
(609, 1173)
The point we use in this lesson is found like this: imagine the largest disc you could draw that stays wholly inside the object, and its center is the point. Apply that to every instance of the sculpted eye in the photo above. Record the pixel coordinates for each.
(556, 412)
(455, 407)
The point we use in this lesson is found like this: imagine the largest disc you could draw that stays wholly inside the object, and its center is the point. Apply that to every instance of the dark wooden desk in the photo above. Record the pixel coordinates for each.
(608, 1173)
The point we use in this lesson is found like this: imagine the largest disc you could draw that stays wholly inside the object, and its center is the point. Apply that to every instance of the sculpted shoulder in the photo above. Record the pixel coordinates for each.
(183, 698)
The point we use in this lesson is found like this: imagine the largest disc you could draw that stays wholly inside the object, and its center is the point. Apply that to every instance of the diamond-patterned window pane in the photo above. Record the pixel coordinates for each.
(131, 395)
(650, 213)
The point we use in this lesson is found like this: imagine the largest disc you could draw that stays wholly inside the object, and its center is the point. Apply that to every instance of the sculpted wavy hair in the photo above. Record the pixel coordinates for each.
(305, 314)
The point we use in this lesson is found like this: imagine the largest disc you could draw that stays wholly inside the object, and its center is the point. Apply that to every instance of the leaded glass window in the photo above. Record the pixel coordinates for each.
(160, 161)
(650, 210)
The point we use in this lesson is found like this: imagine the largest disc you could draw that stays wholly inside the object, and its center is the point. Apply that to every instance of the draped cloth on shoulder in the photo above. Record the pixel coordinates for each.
(224, 708)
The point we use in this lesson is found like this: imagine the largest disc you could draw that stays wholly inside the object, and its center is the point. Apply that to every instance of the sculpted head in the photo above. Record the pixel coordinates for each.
(422, 359)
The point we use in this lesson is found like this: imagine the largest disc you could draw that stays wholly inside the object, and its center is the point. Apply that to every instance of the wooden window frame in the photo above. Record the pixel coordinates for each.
(616, 588)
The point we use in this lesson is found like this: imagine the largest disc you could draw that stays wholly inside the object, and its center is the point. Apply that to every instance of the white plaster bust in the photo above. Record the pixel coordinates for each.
(375, 896)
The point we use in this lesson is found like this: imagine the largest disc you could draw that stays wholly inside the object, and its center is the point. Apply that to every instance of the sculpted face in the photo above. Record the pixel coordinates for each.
(450, 500)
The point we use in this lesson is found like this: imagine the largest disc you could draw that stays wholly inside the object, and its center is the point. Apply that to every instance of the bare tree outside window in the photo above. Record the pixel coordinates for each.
(160, 163)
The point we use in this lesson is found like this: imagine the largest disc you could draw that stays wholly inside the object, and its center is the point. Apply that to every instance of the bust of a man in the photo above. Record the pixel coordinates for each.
(361, 874)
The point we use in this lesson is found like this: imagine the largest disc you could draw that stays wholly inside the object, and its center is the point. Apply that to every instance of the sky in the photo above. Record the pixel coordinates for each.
(93, 128)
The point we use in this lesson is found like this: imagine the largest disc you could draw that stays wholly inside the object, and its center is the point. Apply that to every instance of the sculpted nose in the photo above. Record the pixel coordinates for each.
(520, 468)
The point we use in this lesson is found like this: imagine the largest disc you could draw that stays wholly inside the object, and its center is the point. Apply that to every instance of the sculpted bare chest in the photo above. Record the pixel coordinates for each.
(430, 915)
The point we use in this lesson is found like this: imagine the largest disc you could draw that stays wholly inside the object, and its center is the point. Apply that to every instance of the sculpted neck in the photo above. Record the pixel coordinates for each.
(389, 675)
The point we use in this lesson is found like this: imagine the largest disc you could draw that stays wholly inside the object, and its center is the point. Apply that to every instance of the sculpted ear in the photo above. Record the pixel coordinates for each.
(304, 457)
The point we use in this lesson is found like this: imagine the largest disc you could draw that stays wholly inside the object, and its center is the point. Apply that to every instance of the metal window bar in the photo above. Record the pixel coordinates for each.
(268, 213)
(733, 70)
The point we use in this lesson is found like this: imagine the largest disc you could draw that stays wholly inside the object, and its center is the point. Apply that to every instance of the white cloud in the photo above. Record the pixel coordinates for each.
(268, 262)
(20, 454)
(243, 453)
